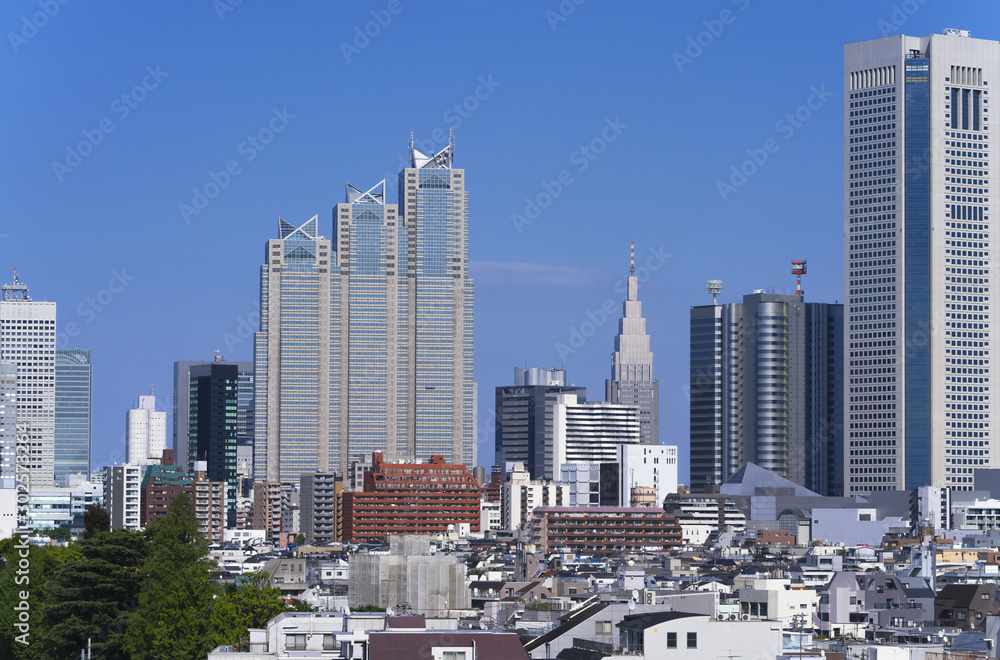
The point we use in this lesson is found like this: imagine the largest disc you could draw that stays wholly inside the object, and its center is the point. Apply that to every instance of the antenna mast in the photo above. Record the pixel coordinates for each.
(799, 269)
(714, 288)
(631, 268)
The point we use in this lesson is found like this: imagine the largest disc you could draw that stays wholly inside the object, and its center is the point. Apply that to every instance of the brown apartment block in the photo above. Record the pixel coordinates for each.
(603, 530)
(267, 509)
(411, 498)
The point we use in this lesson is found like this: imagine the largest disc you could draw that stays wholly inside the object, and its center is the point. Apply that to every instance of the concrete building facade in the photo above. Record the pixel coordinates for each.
(28, 341)
(146, 433)
(918, 252)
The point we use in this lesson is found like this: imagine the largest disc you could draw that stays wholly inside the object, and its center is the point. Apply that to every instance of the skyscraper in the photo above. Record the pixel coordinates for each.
(182, 390)
(766, 388)
(631, 381)
(145, 433)
(295, 388)
(366, 341)
(918, 252)
(28, 332)
(213, 401)
(434, 221)
(72, 421)
(8, 420)
(525, 430)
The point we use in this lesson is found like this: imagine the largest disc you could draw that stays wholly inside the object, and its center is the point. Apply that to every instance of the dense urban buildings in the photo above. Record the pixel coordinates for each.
(632, 381)
(411, 498)
(320, 504)
(146, 433)
(365, 341)
(74, 376)
(524, 426)
(767, 388)
(28, 336)
(917, 257)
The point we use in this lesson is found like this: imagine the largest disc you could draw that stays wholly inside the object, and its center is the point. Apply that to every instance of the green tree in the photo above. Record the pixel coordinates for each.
(96, 519)
(175, 603)
(95, 596)
(300, 539)
(25, 570)
(250, 604)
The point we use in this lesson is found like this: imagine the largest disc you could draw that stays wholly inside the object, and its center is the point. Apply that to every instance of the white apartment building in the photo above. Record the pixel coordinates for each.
(521, 495)
(649, 466)
(146, 433)
(122, 494)
(590, 432)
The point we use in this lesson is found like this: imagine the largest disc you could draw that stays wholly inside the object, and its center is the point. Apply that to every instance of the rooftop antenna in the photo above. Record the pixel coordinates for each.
(714, 288)
(17, 280)
(631, 268)
(799, 269)
(451, 141)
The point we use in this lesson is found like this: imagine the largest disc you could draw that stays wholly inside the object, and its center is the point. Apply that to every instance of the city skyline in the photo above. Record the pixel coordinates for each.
(550, 133)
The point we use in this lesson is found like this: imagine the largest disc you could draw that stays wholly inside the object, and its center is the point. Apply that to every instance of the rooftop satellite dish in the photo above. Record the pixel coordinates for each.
(345, 609)
(631, 604)
(635, 594)
(388, 611)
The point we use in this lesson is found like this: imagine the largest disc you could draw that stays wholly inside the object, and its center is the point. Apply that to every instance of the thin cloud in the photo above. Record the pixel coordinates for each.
(522, 275)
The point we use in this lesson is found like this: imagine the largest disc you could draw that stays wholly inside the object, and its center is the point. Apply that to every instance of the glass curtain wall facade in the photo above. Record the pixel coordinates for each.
(766, 388)
(919, 259)
(73, 407)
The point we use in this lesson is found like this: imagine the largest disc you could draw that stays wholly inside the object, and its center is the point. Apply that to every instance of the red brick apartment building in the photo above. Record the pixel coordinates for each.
(410, 498)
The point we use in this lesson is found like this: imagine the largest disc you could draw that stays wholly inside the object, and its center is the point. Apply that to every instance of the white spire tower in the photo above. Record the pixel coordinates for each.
(631, 381)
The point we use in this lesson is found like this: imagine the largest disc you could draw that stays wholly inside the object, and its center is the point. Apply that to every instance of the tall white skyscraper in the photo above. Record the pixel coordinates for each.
(28, 333)
(146, 433)
(632, 381)
(920, 258)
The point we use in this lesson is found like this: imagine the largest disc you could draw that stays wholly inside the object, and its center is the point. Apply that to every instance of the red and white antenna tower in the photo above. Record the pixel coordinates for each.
(799, 269)
(631, 268)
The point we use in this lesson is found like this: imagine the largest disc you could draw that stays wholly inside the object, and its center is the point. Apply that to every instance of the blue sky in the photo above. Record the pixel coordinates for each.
(581, 127)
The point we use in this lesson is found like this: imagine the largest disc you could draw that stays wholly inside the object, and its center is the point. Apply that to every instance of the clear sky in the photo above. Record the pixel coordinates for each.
(581, 125)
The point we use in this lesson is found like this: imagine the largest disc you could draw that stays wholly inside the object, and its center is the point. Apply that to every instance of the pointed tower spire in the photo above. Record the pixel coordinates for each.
(631, 268)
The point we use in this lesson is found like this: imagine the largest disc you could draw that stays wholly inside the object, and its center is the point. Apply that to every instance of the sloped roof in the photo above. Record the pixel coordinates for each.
(751, 477)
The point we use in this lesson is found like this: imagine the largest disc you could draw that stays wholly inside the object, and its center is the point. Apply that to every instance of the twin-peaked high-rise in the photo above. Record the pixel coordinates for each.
(365, 342)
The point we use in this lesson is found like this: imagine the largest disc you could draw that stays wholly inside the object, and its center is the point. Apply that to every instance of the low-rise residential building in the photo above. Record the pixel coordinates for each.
(520, 495)
(603, 531)
(966, 606)
(775, 598)
(853, 600)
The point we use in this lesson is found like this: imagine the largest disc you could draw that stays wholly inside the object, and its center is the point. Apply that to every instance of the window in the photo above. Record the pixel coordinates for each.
(295, 642)
(692, 640)
(985, 596)
(602, 627)
(453, 655)
(671, 640)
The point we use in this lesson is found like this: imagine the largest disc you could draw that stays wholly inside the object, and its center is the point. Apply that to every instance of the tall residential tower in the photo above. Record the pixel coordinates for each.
(920, 261)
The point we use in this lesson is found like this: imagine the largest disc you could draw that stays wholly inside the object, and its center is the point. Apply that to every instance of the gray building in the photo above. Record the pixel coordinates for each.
(182, 403)
(632, 381)
(432, 585)
(919, 261)
(74, 376)
(767, 388)
(366, 340)
(8, 420)
(525, 419)
(318, 506)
